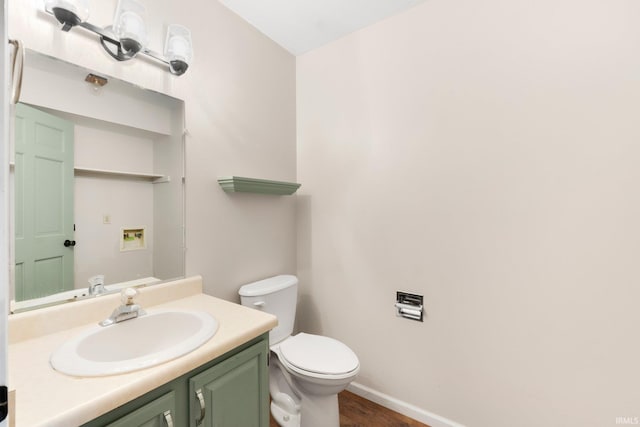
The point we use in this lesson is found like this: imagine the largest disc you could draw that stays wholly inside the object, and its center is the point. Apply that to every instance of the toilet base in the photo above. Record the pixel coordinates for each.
(293, 406)
(284, 418)
(321, 411)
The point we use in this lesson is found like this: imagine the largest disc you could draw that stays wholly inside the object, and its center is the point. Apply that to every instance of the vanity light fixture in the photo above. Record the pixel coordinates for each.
(127, 37)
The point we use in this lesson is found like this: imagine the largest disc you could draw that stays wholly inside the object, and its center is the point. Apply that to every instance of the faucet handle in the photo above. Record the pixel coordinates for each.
(127, 295)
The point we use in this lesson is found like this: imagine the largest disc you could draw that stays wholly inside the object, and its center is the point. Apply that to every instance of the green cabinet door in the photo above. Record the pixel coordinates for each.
(234, 393)
(157, 413)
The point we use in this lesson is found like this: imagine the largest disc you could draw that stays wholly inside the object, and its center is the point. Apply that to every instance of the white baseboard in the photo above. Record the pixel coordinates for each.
(401, 407)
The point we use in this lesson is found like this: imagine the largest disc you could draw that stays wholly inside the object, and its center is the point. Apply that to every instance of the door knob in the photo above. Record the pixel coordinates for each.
(68, 243)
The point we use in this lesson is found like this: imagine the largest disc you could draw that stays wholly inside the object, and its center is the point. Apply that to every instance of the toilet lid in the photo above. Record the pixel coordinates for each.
(322, 355)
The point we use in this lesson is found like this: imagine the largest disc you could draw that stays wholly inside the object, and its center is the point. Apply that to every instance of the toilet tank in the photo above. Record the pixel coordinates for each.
(276, 295)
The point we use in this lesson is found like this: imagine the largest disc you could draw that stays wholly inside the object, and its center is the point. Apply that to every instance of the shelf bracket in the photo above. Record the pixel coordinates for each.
(161, 180)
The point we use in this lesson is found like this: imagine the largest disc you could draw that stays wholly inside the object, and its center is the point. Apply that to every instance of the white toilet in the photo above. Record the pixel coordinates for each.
(306, 372)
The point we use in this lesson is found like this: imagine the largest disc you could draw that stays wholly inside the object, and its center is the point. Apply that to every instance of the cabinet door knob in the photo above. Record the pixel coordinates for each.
(167, 418)
(203, 410)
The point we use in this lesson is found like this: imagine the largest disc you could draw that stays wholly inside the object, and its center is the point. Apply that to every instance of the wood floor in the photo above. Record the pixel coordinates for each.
(356, 411)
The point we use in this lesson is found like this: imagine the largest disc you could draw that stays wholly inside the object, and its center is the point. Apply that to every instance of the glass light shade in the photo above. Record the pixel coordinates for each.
(178, 48)
(129, 27)
(69, 12)
(178, 44)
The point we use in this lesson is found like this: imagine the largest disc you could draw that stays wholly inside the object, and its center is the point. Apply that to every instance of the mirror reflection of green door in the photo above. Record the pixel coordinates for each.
(43, 203)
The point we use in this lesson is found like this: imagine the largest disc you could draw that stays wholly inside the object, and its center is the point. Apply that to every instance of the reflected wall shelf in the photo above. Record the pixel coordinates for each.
(153, 178)
(238, 184)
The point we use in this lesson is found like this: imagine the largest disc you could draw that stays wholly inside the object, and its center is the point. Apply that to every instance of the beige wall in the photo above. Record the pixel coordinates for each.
(484, 154)
(129, 203)
(240, 114)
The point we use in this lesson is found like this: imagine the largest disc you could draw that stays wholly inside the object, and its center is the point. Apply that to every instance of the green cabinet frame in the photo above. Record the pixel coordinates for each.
(234, 386)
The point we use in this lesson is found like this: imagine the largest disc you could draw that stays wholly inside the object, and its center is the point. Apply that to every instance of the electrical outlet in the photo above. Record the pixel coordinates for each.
(106, 219)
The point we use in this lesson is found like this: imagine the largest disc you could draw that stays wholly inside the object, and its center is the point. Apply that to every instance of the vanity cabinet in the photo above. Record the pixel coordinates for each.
(230, 391)
(157, 413)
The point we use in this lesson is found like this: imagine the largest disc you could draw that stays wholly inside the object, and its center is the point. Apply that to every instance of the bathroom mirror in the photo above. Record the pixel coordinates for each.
(98, 184)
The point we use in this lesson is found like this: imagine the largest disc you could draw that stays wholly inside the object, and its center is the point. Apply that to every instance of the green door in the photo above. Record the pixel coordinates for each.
(234, 393)
(43, 203)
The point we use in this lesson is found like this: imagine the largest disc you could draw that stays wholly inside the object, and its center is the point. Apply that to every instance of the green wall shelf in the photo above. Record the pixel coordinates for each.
(238, 184)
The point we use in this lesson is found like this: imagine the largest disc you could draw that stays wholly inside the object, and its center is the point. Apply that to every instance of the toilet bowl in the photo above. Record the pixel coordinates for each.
(306, 372)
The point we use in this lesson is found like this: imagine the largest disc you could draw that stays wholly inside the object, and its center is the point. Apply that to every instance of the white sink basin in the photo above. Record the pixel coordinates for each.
(134, 344)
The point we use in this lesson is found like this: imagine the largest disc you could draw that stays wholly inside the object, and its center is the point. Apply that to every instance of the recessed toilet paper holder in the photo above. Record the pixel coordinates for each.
(409, 306)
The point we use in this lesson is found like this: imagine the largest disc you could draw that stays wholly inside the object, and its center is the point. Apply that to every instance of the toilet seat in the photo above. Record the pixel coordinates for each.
(318, 356)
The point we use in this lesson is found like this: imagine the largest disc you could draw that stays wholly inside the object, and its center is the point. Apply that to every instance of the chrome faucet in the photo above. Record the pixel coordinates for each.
(96, 285)
(128, 309)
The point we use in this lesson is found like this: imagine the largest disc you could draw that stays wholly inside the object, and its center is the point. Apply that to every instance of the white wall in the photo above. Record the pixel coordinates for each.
(484, 154)
(240, 114)
(168, 201)
(128, 202)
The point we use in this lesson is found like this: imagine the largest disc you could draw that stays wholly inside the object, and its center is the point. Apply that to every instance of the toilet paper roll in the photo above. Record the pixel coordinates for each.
(407, 310)
(411, 311)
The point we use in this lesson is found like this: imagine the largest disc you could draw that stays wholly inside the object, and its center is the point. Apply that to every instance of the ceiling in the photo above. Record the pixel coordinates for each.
(302, 25)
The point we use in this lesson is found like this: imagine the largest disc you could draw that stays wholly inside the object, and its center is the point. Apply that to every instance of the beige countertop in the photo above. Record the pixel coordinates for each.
(45, 397)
